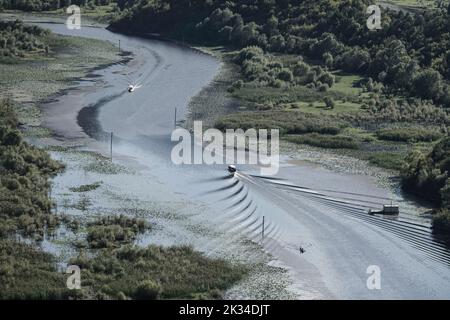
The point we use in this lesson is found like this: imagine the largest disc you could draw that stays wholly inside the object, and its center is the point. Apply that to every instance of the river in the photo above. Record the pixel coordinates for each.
(322, 211)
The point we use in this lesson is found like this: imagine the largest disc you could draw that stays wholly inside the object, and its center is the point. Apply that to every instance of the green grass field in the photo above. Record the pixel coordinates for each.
(415, 3)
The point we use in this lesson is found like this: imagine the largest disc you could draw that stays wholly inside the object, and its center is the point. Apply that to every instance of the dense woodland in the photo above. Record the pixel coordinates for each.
(18, 39)
(410, 55)
(47, 5)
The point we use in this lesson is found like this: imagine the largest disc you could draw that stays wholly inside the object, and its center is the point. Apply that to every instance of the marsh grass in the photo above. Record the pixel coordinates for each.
(104, 166)
(86, 187)
(173, 272)
(24, 180)
(324, 141)
(387, 160)
(409, 134)
(288, 122)
(28, 273)
(114, 231)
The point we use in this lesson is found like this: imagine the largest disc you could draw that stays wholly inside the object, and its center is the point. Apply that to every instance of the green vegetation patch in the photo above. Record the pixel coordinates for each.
(387, 160)
(113, 231)
(426, 174)
(105, 166)
(409, 134)
(324, 141)
(155, 272)
(20, 40)
(36, 74)
(24, 180)
(86, 187)
(28, 273)
(288, 122)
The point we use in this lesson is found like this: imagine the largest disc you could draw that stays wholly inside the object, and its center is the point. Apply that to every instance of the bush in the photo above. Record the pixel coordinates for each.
(323, 87)
(329, 102)
(113, 231)
(427, 174)
(248, 53)
(147, 290)
(285, 75)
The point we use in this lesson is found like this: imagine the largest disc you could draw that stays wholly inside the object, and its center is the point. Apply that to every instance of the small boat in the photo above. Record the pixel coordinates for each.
(388, 209)
(131, 87)
(231, 168)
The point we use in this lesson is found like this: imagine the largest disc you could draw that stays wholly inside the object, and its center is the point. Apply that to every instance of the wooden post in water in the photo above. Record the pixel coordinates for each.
(111, 147)
(262, 232)
(119, 45)
(175, 121)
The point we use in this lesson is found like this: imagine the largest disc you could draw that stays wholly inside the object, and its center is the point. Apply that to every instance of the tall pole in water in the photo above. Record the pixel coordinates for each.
(111, 147)
(262, 233)
(175, 121)
(119, 45)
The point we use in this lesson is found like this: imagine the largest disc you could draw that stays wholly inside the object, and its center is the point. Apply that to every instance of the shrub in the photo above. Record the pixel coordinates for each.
(113, 231)
(248, 53)
(426, 174)
(147, 290)
(301, 69)
(323, 87)
(86, 187)
(329, 102)
(285, 75)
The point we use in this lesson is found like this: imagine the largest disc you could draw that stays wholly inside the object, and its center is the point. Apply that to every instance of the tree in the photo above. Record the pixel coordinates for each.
(428, 84)
(271, 27)
(249, 34)
(285, 75)
(301, 69)
(329, 102)
(327, 78)
(277, 43)
(328, 59)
